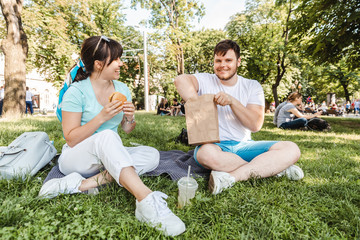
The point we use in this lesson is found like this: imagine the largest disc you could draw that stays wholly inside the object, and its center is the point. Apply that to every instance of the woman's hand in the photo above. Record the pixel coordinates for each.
(317, 114)
(129, 111)
(110, 110)
(128, 123)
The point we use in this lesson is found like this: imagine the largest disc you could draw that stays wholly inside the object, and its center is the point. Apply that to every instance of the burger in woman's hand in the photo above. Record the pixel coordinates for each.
(118, 96)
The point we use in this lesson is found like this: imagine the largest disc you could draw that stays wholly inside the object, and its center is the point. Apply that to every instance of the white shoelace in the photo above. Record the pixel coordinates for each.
(226, 181)
(160, 204)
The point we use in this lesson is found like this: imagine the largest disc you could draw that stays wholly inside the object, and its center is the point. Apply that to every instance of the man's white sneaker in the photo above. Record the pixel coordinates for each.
(154, 210)
(219, 181)
(293, 173)
(68, 185)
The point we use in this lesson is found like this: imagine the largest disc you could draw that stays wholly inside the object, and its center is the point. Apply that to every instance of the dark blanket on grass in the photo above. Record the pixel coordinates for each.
(174, 163)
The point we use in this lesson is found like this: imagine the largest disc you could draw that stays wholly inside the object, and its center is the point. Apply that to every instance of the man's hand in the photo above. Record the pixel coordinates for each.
(223, 99)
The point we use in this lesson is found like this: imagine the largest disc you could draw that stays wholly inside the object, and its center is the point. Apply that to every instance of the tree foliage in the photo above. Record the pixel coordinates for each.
(346, 80)
(174, 18)
(279, 42)
(199, 50)
(58, 28)
(330, 29)
(263, 33)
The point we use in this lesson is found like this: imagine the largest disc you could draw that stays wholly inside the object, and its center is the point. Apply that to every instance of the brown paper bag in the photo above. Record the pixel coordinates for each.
(202, 120)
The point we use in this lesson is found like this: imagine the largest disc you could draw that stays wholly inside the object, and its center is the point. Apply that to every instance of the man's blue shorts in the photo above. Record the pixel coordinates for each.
(247, 150)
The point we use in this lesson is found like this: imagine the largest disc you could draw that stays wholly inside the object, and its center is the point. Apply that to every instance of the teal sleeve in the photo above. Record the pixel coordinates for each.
(73, 100)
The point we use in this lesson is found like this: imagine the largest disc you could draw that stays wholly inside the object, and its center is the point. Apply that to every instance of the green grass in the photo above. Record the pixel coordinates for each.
(324, 205)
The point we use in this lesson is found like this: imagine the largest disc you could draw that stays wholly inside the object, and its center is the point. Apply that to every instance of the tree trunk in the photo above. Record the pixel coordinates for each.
(180, 62)
(345, 84)
(281, 69)
(15, 48)
(347, 95)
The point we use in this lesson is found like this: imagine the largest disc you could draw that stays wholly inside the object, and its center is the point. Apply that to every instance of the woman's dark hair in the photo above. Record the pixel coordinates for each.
(225, 45)
(293, 96)
(162, 101)
(97, 48)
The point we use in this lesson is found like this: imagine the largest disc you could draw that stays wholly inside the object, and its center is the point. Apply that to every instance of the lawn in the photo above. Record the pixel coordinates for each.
(323, 205)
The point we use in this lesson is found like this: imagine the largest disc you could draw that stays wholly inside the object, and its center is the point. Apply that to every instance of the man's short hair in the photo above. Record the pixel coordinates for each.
(175, 99)
(225, 45)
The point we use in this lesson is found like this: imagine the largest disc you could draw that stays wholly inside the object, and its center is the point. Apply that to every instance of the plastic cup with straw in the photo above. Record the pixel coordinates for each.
(187, 189)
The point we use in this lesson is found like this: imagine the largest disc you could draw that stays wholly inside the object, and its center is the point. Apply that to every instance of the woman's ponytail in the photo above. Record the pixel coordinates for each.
(78, 72)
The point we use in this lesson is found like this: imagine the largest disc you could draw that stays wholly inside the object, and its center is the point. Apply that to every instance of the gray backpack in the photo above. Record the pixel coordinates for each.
(27, 154)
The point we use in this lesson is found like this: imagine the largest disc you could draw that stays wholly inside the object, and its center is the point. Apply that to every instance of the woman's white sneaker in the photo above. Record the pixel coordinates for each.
(220, 181)
(66, 185)
(154, 210)
(293, 173)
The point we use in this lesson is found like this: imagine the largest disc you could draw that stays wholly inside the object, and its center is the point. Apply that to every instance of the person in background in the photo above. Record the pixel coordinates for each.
(182, 107)
(90, 126)
(357, 107)
(241, 105)
(313, 106)
(341, 110)
(175, 108)
(286, 113)
(323, 107)
(348, 107)
(29, 97)
(310, 107)
(334, 106)
(163, 108)
(2, 94)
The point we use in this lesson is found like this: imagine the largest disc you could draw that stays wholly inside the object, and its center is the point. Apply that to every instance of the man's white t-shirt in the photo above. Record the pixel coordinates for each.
(246, 91)
(29, 96)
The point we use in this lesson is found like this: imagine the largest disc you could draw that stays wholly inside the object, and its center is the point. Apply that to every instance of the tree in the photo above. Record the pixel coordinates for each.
(331, 30)
(347, 79)
(58, 28)
(175, 17)
(199, 50)
(263, 31)
(15, 48)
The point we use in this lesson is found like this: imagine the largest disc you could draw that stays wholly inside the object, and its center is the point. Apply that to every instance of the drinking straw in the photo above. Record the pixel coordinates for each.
(187, 184)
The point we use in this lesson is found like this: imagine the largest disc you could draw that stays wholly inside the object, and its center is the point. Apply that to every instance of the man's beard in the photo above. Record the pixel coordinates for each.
(226, 79)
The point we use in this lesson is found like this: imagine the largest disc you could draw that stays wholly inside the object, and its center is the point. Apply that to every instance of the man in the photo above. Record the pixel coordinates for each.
(182, 107)
(28, 99)
(357, 107)
(1, 98)
(175, 108)
(240, 104)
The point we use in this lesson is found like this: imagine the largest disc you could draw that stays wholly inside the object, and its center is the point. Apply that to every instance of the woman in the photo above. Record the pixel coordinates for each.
(288, 111)
(163, 108)
(90, 124)
(348, 107)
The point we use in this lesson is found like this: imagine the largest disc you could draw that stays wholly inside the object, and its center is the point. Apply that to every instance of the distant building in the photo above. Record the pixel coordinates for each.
(46, 95)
